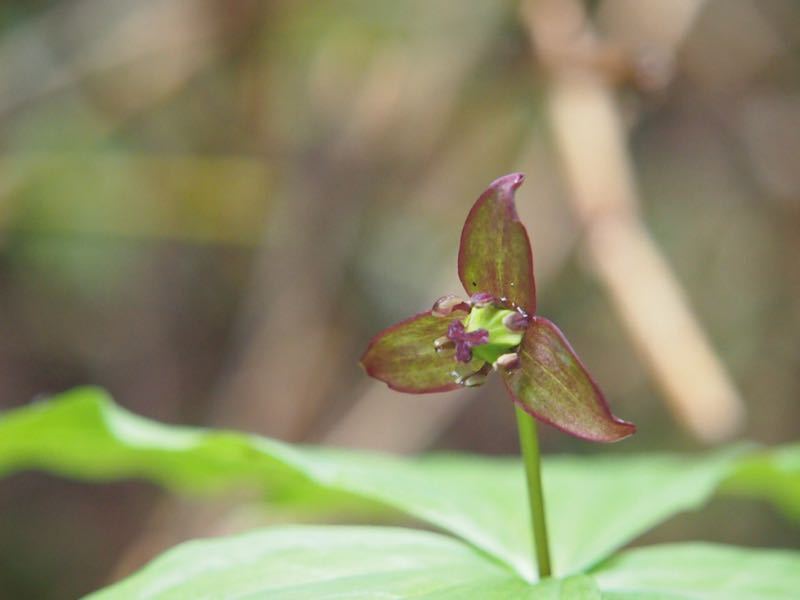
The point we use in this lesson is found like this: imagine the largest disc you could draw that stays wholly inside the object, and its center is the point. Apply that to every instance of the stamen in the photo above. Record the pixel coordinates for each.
(516, 321)
(473, 379)
(508, 362)
(446, 305)
(443, 342)
(444, 346)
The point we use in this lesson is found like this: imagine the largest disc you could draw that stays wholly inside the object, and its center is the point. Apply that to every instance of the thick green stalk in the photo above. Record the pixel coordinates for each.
(529, 446)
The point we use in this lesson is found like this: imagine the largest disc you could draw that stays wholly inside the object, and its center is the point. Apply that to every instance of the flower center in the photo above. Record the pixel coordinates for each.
(486, 333)
(504, 329)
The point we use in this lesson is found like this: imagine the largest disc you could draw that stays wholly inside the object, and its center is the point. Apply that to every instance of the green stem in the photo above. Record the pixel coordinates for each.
(529, 445)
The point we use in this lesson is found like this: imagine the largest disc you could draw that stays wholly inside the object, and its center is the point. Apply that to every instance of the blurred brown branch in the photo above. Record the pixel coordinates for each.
(590, 137)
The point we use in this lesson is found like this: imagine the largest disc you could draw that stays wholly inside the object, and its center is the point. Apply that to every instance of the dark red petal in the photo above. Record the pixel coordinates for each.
(495, 253)
(553, 385)
(404, 357)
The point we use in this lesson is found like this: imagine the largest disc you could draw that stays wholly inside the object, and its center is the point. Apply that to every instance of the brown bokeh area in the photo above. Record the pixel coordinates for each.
(208, 207)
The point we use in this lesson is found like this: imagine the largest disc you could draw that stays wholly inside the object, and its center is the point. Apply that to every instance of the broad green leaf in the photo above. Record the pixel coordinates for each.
(701, 572)
(772, 474)
(495, 254)
(298, 562)
(287, 563)
(597, 505)
(553, 385)
(594, 505)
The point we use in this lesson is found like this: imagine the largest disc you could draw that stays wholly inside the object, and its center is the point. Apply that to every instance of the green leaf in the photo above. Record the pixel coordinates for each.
(595, 505)
(298, 562)
(553, 385)
(701, 572)
(772, 474)
(335, 562)
(495, 254)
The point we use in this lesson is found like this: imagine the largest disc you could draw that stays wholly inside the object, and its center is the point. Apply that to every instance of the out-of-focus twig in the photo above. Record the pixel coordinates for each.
(158, 44)
(287, 356)
(589, 135)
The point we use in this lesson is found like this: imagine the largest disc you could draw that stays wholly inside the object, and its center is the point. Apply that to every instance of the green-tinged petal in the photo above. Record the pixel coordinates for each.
(495, 253)
(552, 384)
(404, 357)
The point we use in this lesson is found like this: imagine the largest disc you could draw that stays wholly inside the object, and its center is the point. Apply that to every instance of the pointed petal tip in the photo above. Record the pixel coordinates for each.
(623, 429)
(618, 432)
(510, 182)
(495, 255)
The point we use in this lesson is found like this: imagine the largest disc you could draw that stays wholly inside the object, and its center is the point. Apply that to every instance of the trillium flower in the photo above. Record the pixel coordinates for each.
(459, 342)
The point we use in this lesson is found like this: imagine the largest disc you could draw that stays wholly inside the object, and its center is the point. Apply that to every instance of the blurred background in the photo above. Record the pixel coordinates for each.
(210, 206)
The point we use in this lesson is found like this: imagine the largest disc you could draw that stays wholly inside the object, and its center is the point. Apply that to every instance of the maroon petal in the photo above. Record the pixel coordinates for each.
(495, 253)
(404, 357)
(553, 385)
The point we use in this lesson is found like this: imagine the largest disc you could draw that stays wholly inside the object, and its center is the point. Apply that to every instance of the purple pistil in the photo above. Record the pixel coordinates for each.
(465, 340)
